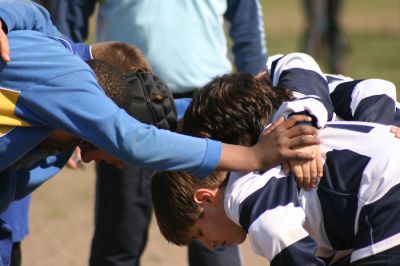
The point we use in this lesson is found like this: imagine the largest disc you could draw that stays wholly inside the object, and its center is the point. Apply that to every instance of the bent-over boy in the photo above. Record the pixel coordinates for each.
(354, 209)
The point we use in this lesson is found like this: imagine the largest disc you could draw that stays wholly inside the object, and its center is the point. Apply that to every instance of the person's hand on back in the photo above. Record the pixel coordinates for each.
(281, 141)
(395, 131)
(306, 172)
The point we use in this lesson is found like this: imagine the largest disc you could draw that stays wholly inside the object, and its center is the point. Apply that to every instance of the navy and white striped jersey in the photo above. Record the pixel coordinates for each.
(370, 100)
(356, 205)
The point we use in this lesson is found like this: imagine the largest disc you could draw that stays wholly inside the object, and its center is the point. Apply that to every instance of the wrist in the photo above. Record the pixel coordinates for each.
(260, 161)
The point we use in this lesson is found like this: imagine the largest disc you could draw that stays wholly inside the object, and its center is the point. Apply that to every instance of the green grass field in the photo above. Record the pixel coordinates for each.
(372, 29)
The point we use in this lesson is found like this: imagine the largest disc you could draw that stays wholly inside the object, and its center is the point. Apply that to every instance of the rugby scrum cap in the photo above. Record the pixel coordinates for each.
(151, 100)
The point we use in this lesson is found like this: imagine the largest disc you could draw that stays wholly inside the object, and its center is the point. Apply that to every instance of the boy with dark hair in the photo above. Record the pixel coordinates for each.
(355, 203)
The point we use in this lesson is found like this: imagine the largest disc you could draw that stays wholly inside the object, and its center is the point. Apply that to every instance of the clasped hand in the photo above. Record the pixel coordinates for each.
(295, 145)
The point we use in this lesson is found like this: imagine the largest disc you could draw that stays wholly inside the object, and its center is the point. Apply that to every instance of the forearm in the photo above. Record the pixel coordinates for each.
(239, 158)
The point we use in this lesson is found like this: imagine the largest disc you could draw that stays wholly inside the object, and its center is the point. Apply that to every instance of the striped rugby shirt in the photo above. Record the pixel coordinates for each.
(355, 207)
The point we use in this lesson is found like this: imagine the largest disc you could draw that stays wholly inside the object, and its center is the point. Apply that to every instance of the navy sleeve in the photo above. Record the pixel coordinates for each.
(71, 17)
(246, 28)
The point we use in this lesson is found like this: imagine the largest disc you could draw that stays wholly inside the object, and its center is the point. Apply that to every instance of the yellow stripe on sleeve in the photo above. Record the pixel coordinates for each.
(4, 130)
(8, 101)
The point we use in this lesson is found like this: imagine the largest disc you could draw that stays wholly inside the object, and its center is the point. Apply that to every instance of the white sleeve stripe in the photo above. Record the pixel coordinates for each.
(375, 248)
(295, 60)
(241, 186)
(371, 87)
(276, 229)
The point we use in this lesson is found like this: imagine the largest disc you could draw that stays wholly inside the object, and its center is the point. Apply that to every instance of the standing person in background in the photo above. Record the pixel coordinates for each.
(48, 4)
(323, 32)
(186, 46)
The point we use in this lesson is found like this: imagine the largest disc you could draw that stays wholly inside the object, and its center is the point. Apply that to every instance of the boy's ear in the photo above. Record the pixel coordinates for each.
(263, 75)
(203, 195)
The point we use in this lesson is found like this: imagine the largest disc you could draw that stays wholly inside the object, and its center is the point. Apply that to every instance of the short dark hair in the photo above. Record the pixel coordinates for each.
(174, 206)
(112, 82)
(231, 106)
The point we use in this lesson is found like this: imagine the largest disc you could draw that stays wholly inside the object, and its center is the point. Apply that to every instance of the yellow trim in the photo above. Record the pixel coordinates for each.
(8, 101)
(4, 130)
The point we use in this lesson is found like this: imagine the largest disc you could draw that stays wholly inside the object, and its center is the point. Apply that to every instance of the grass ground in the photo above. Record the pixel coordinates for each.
(372, 29)
(62, 225)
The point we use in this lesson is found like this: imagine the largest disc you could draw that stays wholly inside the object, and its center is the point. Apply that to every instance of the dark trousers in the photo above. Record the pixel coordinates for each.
(122, 217)
(16, 257)
(323, 32)
(48, 4)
